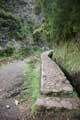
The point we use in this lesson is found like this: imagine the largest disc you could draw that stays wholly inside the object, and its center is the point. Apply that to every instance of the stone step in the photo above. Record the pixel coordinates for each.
(53, 79)
(56, 103)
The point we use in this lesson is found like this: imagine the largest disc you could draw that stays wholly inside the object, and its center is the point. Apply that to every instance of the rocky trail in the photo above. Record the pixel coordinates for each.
(11, 79)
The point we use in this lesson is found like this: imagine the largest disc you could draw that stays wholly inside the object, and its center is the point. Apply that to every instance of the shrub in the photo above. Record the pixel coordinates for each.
(8, 51)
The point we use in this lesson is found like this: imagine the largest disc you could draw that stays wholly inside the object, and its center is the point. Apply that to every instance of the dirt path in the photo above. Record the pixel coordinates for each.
(11, 79)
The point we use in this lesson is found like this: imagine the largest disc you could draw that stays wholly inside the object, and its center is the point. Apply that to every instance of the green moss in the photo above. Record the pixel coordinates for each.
(63, 95)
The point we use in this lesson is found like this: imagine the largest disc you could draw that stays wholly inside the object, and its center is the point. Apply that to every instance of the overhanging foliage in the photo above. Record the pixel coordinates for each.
(63, 17)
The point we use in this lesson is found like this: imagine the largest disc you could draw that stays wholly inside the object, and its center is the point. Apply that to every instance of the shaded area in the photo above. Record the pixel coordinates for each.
(49, 115)
(74, 79)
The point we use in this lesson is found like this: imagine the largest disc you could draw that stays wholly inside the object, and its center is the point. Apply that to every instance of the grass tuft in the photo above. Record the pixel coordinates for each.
(68, 56)
(32, 75)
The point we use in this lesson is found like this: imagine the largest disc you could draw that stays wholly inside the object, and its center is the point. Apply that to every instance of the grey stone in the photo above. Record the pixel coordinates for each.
(58, 103)
(52, 78)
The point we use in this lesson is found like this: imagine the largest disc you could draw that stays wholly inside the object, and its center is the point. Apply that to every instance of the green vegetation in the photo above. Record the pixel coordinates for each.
(12, 26)
(62, 18)
(9, 23)
(32, 77)
(32, 74)
(68, 56)
(10, 53)
(63, 95)
(22, 53)
(27, 52)
(4, 60)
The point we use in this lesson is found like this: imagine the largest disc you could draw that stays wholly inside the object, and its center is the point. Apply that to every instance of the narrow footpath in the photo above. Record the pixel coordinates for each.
(11, 79)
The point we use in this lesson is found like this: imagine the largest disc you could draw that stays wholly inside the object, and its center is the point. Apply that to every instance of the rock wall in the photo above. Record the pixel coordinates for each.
(22, 8)
(19, 12)
(26, 12)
